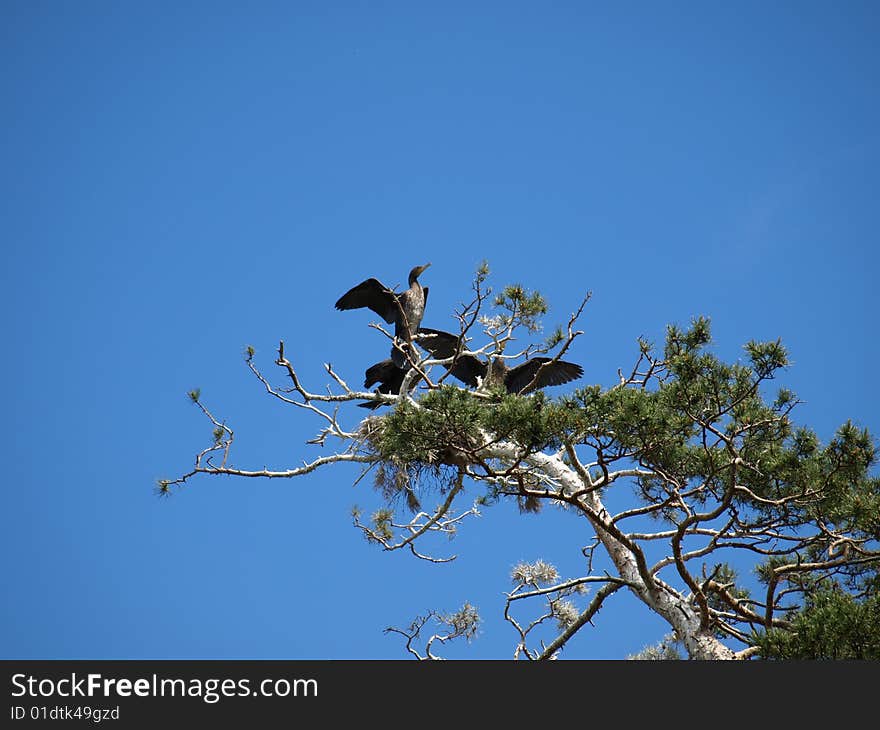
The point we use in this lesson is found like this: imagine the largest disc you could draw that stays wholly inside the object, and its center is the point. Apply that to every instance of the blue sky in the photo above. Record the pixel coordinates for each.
(180, 180)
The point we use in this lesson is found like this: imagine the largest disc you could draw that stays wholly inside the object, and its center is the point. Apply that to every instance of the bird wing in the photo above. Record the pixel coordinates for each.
(374, 295)
(468, 368)
(439, 343)
(388, 376)
(382, 372)
(547, 371)
(443, 345)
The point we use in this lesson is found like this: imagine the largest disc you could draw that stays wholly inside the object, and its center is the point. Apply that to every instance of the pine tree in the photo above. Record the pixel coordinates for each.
(722, 475)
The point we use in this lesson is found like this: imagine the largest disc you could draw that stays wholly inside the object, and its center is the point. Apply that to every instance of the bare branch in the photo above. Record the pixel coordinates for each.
(584, 618)
(421, 524)
(572, 335)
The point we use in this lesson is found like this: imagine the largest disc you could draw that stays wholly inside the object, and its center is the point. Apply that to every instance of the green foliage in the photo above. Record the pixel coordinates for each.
(523, 307)
(524, 421)
(381, 523)
(833, 625)
(712, 453)
(766, 357)
(447, 428)
(482, 272)
(554, 338)
(446, 417)
(673, 427)
(701, 427)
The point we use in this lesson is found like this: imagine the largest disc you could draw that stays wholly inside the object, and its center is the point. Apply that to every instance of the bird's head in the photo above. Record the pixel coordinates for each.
(416, 273)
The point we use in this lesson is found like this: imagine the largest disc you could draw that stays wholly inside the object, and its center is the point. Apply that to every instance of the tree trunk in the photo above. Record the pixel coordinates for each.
(674, 607)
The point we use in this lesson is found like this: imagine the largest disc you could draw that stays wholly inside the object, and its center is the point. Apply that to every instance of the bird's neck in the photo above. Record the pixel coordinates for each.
(497, 368)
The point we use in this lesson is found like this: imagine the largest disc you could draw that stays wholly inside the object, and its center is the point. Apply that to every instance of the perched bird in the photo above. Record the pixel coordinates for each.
(390, 378)
(404, 310)
(473, 371)
(470, 369)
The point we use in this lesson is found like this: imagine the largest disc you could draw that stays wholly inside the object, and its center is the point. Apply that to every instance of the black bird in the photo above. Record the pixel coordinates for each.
(390, 378)
(404, 310)
(471, 370)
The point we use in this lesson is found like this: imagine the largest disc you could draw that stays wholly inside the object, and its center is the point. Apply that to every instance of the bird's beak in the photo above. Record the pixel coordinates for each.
(422, 268)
